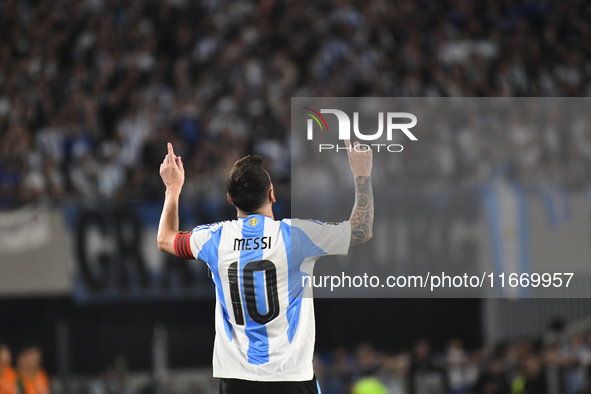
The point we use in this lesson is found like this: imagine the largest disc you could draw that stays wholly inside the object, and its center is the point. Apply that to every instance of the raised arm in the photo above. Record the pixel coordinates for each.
(173, 176)
(363, 211)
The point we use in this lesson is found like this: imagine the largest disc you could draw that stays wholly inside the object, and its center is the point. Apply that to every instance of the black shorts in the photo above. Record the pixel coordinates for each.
(239, 386)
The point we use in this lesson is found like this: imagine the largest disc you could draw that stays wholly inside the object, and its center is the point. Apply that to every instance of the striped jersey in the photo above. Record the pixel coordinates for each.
(265, 329)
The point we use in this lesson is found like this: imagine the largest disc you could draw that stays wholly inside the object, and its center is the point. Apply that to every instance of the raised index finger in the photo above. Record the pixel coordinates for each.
(170, 152)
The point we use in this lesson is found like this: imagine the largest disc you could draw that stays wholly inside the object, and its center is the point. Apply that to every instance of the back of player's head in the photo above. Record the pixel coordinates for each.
(248, 184)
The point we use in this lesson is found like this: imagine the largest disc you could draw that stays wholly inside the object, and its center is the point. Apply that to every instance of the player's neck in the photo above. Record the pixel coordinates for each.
(265, 211)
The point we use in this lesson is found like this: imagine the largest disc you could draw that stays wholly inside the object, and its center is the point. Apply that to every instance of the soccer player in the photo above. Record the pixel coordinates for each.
(265, 328)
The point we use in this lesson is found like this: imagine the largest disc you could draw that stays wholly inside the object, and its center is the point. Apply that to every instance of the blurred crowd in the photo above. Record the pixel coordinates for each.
(28, 377)
(90, 90)
(556, 364)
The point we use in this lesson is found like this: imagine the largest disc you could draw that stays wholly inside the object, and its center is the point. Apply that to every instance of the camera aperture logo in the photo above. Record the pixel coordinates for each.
(345, 129)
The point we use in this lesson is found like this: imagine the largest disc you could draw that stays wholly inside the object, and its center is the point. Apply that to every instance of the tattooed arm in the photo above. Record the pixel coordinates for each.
(362, 215)
(363, 212)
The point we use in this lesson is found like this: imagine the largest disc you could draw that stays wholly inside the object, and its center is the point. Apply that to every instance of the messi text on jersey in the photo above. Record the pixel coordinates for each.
(252, 243)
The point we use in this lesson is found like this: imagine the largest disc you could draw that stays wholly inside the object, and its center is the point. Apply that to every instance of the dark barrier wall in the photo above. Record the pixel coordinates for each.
(99, 332)
(115, 257)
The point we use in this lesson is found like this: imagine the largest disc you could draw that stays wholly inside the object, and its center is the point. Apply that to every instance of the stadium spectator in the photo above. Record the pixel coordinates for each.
(531, 378)
(32, 376)
(460, 373)
(369, 385)
(576, 361)
(8, 378)
(337, 372)
(424, 376)
(493, 379)
(117, 377)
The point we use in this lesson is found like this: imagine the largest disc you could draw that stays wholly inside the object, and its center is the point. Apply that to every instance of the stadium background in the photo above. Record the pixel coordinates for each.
(90, 92)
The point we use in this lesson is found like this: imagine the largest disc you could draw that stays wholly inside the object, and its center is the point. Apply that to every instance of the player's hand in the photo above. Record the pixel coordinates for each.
(172, 171)
(360, 159)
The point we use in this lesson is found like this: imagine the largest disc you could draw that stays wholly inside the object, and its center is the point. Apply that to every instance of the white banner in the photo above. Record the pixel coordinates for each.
(34, 258)
(22, 230)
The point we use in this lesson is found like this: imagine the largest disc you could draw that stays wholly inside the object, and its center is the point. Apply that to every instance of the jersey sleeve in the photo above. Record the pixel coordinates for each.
(317, 238)
(189, 244)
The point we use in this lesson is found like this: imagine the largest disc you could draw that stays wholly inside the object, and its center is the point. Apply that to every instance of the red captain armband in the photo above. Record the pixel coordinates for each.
(182, 246)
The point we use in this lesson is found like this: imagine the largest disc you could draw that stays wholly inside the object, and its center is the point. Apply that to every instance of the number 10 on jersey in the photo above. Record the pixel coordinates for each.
(249, 291)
